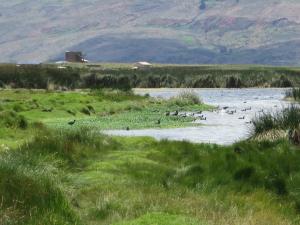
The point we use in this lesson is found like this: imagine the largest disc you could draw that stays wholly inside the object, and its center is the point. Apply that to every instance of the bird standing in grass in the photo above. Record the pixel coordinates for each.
(72, 122)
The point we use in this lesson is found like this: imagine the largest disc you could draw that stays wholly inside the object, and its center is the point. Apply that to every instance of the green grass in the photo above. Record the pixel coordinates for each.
(93, 179)
(22, 110)
(294, 94)
(123, 77)
(75, 175)
(162, 219)
(288, 119)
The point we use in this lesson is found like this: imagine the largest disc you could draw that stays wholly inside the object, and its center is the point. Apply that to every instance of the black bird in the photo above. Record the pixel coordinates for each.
(72, 122)
(158, 122)
(176, 113)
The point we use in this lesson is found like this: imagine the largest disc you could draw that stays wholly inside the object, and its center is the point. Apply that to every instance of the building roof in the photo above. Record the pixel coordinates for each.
(144, 63)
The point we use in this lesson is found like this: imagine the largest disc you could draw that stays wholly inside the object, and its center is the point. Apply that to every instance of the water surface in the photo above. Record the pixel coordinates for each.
(220, 127)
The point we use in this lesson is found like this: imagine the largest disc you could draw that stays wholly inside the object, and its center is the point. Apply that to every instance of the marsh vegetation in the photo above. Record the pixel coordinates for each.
(124, 77)
(56, 168)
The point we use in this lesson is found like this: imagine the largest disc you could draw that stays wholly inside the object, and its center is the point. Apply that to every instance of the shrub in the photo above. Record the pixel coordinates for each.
(287, 119)
(186, 98)
(294, 93)
(206, 82)
(282, 82)
(91, 108)
(233, 82)
(71, 145)
(86, 111)
(18, 108)
(72, 112)
(277, 184)
(23, 124)
(244, 173)
(29, 188)
(12, 120)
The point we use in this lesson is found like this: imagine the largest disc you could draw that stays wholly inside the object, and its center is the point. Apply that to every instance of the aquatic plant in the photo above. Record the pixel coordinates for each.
(294, 93)
(287, 119)
(187, 97)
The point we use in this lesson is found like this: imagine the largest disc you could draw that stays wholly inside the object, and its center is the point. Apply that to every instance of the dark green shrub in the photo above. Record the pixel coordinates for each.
(287, 119)
(72, 112)
(91, 108)
(277, 184)
(244, 174)
(28, 186)
(282, 82)
(86, 111)
(206, 82)
(233, 82)
(23, 124)
(18, 108)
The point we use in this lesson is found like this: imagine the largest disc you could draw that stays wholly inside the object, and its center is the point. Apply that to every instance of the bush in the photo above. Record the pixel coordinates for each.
(31, 191)
(294, 93)
(186, 98)
(18, 108)
(282, 82)
(233, 82)
(206, 82)
(86, 111)
(244, 174)
(23, 124)
(11, 119)
(287, 119)
(71, 145)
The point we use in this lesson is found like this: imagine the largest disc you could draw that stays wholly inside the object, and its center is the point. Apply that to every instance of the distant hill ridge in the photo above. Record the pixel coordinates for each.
(164, 31)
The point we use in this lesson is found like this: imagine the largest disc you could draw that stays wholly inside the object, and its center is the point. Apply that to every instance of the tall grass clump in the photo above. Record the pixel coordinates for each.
(10, 119)
(294, 93)
(242, 168)
(287, 119)
(30, 191)
(72, 146)
(186, 98)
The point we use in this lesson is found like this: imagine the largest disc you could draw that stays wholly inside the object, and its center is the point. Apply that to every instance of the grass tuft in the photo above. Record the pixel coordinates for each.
(186, 98)
(287, 119)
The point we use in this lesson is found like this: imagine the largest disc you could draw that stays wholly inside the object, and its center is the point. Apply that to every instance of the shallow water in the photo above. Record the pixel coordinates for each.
(220, 127)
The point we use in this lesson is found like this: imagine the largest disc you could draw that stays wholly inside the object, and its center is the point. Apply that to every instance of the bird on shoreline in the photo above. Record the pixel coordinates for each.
(71, 123)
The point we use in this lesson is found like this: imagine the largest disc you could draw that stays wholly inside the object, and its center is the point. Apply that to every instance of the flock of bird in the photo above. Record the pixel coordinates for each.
(196, 115)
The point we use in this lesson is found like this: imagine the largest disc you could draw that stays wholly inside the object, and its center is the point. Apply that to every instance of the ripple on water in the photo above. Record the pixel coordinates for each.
(220, 127)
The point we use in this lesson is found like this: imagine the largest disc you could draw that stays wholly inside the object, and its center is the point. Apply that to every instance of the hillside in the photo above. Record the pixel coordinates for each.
(173, 31)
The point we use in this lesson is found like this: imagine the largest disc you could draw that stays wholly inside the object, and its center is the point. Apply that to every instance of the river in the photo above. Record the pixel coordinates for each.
(229, 124)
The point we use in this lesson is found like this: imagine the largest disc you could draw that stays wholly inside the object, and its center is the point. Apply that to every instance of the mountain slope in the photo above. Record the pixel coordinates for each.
(173, 31)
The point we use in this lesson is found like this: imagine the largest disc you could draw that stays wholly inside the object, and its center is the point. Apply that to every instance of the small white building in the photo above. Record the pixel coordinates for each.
(142, 65)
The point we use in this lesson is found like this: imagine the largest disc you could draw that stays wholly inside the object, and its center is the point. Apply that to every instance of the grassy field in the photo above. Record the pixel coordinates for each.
(22, 111)
(75, 177)
(53, 173)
